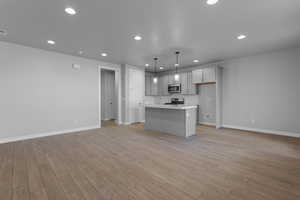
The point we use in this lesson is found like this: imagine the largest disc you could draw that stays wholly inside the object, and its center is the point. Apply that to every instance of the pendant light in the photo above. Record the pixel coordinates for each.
(176, 76)
(155, 76)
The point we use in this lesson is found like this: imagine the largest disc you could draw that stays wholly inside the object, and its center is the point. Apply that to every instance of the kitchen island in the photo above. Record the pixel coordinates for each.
(179, 120)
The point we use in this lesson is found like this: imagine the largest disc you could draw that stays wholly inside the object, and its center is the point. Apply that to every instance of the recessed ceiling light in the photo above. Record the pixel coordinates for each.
(195, 61)
(70, 11)
(104, 54)
(80, 52)
(3, 32)
(138, 37)
(161, 68)
(240, 37)
(212, 2)
(176, 65)
(146, 65)
(51, 42)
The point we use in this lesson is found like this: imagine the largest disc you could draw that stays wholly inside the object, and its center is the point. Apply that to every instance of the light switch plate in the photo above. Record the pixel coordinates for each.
(76, 66)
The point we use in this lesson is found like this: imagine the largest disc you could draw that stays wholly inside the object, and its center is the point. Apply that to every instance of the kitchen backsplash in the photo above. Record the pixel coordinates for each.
(188, 99)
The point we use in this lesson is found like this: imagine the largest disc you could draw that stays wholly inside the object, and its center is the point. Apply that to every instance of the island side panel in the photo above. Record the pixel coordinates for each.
(166, 120)
(190, 121)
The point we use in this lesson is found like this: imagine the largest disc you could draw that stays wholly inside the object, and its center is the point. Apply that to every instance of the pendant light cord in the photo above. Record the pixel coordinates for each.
(155, 65)
(177, 61)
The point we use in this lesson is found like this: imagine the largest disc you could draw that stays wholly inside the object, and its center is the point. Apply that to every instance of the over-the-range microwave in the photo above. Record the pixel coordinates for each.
(174, 88)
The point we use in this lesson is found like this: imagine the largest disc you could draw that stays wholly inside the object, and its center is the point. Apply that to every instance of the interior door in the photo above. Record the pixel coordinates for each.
(136, 96)
(108, 94)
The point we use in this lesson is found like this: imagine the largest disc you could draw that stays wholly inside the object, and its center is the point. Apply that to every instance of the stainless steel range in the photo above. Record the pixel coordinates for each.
(175, 101)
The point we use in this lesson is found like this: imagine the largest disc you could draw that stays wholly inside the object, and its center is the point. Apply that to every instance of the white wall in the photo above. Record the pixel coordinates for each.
(41, 93)
(263, 91)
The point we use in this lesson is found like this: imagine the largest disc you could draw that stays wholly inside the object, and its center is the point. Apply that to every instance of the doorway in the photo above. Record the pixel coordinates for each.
(109, 96)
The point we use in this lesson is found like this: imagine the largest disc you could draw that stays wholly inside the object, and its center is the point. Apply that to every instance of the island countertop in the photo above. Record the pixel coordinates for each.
(176, 107)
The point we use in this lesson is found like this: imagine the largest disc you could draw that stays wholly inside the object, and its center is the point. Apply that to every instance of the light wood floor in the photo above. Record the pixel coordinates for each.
(125, 162)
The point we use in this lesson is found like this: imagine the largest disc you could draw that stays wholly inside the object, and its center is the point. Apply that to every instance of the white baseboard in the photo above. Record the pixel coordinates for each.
(207, 123)
(273, 132)
(32, 136)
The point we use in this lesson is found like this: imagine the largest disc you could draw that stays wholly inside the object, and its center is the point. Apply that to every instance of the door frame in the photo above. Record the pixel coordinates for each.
(117, 89)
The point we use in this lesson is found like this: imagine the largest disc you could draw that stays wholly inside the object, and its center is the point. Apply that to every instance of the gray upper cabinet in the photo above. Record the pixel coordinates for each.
(148, 85)
(184, 83)
(191, 87)
(160, 86)
(206, 75)
(209, 75)
(188, 81)
(187, 86)
(163, 82)
(172, 79)
(165, 86)
(151, 88)
(197, 76)
(154, 88)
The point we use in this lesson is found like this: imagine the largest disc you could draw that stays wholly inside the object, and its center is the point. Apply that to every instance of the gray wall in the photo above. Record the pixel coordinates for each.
(207, 103)
(41, 93)
(263, 91)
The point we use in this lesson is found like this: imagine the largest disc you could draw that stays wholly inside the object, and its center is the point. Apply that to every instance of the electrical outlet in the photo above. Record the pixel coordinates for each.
(207, 116)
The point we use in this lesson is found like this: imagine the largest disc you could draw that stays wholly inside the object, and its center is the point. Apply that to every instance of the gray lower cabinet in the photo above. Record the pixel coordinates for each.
(180, 122)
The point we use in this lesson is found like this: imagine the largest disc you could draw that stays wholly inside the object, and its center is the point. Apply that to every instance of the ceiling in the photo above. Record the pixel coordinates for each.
(199, 31)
